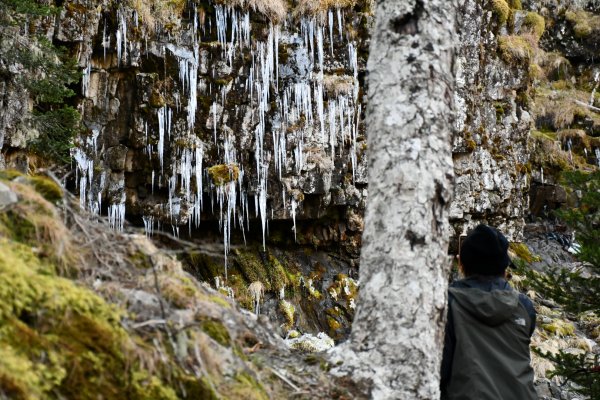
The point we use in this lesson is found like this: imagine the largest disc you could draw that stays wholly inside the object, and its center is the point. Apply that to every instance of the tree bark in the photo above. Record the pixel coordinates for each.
(397, 335)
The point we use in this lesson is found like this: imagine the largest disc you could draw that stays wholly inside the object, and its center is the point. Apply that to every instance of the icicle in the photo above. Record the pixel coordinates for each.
(185, 168)
(121, 36)
(332, 128)
(353, 63)
(318, 95)
(152, 182)
(105, 40)
(148, 225)
(116, 215)
(597, 153)
(597, 81)
(263, 208)
(161, 134)
(320, 48)
(198, 174)
(542, 174)
(330, 19)
(299, 156)
(214, 112)
(294, 218)
(339, 19)
(85, 79)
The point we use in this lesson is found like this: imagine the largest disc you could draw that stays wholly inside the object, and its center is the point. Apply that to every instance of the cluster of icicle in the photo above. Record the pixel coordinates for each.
(186, 178)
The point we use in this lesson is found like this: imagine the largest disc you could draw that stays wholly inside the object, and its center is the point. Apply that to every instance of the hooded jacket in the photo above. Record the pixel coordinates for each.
(486, 352)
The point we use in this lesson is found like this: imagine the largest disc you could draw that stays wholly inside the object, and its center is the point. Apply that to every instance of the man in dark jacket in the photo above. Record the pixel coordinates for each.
(486, 349)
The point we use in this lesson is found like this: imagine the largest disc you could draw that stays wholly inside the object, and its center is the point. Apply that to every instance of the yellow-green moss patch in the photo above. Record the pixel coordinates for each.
(535, 23)
(559, 327)
(501, 10)
(223, 173)
(584, 23)
(522, 251)
(217, 331)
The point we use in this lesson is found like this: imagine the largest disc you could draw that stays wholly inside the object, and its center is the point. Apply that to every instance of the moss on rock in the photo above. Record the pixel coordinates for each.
(515, 50)
(223, 173)
(217, 331)
(535, 23)
(501, 10)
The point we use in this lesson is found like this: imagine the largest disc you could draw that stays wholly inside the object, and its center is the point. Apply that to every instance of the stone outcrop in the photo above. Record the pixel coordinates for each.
(493, 123)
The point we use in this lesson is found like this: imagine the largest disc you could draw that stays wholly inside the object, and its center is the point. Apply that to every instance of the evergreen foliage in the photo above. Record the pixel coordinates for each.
(574, 292)
(48, 73)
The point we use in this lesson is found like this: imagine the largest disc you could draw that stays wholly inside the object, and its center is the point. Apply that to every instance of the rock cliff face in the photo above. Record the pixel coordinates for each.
(242, 122)
(490, 150)
(214, 112)
(250, 112)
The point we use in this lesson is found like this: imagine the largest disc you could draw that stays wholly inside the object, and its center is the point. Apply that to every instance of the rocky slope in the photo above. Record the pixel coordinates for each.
(125, 320)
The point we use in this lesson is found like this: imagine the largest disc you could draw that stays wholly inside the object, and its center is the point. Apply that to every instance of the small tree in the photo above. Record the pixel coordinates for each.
(573, 291)
(48, 73)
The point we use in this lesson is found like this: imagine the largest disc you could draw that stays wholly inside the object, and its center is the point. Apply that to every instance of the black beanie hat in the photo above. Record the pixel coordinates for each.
(484, 252)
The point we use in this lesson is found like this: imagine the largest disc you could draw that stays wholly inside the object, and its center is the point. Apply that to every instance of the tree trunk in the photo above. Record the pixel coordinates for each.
(397, 335)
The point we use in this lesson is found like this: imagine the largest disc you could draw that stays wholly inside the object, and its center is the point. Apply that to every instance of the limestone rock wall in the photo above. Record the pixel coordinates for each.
(490, 150)
(206, 111)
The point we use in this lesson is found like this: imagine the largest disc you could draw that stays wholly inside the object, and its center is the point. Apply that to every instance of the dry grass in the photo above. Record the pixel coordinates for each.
(560, 109)
(556, 66)
(518, 49)
(157, 13)
(335, 85)
(318, 7)
(275, 10)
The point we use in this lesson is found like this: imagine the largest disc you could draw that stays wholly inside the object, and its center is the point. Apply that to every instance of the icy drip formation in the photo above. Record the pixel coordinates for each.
(597, 153)
(188, 75)
(304, 105)
(121, 35)
(596, 82)
(116, 215)
(85, 79)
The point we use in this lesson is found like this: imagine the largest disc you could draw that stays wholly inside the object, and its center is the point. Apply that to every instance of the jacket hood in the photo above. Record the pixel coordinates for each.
(492, 308)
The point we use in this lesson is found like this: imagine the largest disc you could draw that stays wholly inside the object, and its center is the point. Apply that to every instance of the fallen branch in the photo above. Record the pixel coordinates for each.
(581, 103)
(283, 378)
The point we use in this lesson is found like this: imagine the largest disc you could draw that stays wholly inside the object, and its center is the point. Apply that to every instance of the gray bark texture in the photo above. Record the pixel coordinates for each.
(397, 336)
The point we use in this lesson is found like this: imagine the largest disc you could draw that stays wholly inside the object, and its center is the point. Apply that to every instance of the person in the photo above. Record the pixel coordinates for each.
(489, 326)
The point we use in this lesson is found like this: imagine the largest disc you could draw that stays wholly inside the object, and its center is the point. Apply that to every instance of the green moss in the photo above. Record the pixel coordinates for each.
(220, 301)
(544, 135)
(288, 310)
(584, 23)
(522, 251)
(178, 290)
(247, 387)
(333, 324)
(198, 388)
(471, 145)
(78, 334)
(560, 327)
(515, 4)
(217, 331)
(9, 174)
(157, 100)
(223, 173)
(535, 23)
(501, 10)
